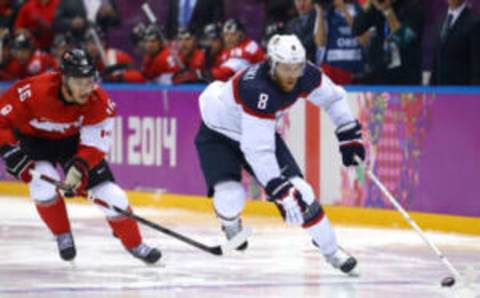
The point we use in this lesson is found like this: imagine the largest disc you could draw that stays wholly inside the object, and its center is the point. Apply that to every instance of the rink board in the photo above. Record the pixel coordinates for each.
(421, 144)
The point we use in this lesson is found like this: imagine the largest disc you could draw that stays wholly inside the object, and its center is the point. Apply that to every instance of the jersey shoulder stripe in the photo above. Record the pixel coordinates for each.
(246, 99)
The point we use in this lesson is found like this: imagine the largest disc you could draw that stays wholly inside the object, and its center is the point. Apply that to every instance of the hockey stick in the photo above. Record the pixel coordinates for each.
(218, 250)
(153, 19)
(412, 223)
(99, 46)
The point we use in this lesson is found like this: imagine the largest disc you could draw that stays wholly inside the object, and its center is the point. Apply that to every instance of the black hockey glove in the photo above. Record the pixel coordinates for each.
(76, 177)
(283, 193)
(17, 162)
(349, 136)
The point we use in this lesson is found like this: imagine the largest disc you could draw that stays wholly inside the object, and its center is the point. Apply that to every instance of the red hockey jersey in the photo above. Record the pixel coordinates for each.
(33, 107)
(232, 60)
(161, 67)
(195, 61)
(114, 57)
(38, 63)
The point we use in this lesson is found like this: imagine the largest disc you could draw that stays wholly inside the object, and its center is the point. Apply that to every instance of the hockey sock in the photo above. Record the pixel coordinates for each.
(323, 235)
(54, 215)
(126, 229)
(228, 202)
(227, 221)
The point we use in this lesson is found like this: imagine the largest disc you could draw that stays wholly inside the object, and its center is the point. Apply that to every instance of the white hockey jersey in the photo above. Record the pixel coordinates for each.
(246, 108)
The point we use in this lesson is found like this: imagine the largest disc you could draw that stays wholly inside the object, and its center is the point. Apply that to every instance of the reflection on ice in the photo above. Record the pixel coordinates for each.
(280, 261)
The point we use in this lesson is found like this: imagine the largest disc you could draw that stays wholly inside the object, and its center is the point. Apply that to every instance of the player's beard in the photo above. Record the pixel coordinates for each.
(74, 98)
(287, 85)
(82, 99)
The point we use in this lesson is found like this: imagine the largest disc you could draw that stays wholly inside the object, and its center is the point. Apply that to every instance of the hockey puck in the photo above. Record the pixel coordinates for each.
(448, 281)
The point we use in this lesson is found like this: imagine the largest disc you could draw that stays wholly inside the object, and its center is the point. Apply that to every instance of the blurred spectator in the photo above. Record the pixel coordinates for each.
(395, 52)
(61, 43)
(8, 12)
(278, 11)
(212, 44)
(303, 26)
(192, 58)
(76, 15)
(6, 65)
(457, 51)
(193, 14)
(37, 17)
(272, 29)
(28, 61)
(338, 51)
(239, 52)
(159, 63)
(114, 65)
(137, 37)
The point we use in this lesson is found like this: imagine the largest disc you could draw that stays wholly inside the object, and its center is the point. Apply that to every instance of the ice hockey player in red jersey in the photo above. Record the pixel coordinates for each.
(238, 131)
(159, 62)
(224, 57)
(113, 64)
(212, 43)
(239, 51)
(6, 59)
(64, 118)
(28, 61)
(191, 57)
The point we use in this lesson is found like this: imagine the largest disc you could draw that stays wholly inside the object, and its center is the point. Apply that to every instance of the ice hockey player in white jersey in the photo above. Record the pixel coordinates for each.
(238, 130)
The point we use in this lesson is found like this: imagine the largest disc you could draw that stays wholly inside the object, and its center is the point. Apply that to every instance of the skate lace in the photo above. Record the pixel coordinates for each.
(142, 250)
(65, 241)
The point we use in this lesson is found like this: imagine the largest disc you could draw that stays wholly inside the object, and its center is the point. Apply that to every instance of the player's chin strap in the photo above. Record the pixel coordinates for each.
(218, 250)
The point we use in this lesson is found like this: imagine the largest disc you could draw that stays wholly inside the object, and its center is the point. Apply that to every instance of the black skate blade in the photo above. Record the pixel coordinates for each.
(68, 254)
(350, 267)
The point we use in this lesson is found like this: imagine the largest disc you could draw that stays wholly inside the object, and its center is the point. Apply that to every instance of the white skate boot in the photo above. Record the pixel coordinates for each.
(343, 261)
(231, 230)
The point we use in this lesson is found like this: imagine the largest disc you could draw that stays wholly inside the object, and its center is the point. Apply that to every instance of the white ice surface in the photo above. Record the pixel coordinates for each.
(280, 260)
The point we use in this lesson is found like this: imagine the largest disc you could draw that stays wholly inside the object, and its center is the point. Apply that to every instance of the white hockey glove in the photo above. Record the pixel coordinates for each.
(284, 194)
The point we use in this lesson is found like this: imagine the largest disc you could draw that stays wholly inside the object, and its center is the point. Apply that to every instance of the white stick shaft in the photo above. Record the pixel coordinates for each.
(407, 217)
(99, 46)
(149, 13)
(153, 19)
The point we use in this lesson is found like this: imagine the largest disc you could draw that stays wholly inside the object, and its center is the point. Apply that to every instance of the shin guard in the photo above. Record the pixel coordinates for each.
(126, 229)
(54, 215)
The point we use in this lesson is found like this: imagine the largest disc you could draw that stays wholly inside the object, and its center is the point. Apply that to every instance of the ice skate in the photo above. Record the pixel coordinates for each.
(66, 246)
(232, 230)
(149, 255)
(343, 261)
